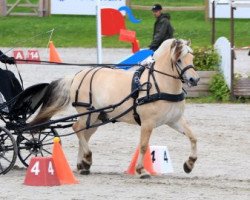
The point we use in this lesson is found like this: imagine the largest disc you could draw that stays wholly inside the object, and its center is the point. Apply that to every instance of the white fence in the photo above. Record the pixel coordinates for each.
(223, 8)
(223, 47)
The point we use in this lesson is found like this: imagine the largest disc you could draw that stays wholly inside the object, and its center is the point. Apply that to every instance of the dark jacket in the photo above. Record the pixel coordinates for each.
(162, 31)
(9, 84)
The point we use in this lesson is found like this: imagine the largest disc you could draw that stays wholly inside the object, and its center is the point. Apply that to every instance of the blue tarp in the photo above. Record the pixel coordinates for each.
(135, 59)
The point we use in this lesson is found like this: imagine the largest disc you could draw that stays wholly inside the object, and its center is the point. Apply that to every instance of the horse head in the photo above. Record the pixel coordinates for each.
(182, 59)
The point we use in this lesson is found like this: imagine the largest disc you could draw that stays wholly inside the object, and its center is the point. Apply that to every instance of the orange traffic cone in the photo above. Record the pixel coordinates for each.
(53, 54)
(64, 173)
(41, 172)
(147, 162)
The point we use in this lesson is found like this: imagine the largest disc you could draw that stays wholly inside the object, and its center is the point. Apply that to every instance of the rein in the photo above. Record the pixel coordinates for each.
(109, 65)
(134, 94)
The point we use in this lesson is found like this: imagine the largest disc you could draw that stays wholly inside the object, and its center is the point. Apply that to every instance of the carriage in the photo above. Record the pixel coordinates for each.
(17, 105)
(139, 95)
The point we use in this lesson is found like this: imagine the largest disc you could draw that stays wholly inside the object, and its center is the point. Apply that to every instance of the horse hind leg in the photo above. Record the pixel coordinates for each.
(182, 127)
(144, 141)
(84, 159)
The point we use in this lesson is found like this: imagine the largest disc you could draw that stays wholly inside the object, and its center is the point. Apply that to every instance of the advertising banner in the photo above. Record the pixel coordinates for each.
(82, 7)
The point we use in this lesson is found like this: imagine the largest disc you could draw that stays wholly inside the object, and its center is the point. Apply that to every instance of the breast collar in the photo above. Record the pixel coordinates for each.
(149, 98)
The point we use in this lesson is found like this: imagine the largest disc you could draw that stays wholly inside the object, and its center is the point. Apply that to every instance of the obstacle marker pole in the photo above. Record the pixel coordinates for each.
(99, 31)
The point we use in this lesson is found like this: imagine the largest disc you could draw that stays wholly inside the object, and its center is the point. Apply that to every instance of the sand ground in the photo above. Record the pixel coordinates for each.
(222, 170)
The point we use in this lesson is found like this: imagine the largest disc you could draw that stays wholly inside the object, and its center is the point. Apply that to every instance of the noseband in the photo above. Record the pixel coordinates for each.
(182, 71)
(179, 71)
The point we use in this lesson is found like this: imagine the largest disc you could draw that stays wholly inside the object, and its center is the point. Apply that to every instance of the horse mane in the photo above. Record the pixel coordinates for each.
(176, 47)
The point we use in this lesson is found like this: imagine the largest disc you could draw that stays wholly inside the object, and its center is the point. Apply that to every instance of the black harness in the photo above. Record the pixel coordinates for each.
(136, 88)
(149, 98)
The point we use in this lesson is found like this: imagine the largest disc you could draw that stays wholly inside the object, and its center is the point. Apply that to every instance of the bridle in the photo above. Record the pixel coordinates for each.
(180, 71)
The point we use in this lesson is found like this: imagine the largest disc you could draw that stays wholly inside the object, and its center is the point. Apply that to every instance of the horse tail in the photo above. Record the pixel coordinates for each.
(56, 98)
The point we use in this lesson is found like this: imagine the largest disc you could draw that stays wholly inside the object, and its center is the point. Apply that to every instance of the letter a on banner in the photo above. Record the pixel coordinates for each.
(19, 55)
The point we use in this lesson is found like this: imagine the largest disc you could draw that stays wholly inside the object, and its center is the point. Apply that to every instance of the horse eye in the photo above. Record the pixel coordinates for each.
(179, 61)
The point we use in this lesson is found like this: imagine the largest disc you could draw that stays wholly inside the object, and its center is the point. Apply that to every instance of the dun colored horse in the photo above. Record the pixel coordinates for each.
(151, 96)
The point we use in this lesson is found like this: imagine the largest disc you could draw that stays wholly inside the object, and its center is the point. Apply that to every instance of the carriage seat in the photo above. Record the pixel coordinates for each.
(14, 101)
(28, 101)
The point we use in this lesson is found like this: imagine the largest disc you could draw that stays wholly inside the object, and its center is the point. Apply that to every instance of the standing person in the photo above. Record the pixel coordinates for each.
(162, 27)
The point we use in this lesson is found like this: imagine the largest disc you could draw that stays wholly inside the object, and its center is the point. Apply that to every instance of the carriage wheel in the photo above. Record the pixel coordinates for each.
(8, 150)
(35, 144)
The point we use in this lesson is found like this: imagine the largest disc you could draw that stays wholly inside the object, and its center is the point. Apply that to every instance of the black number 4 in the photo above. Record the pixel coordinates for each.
(165, 156)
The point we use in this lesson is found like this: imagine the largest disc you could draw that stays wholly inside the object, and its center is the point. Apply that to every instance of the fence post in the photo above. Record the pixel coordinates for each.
(128, 3)
(3, 8)
(44, 8)
(206, 5)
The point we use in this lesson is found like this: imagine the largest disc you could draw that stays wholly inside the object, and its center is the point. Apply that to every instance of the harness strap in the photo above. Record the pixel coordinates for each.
(77, 91)
(136, 86)
(153, 97)
(83, 104)
(161, 96)
(90, 85)
(155, 82)
(90, 98)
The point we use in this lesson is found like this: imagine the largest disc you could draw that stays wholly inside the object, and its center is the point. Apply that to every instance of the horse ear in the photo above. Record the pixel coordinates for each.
(173, 44)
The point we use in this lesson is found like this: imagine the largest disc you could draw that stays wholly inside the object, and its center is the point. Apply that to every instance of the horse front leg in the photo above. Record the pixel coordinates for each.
(183, 127)
(146, 131)
(84, 158)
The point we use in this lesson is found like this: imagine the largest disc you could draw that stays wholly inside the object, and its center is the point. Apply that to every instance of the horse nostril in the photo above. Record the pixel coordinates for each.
(194, 81)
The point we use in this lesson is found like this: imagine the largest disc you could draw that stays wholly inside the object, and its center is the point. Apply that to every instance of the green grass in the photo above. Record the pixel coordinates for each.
(80, 31)
(168, 2)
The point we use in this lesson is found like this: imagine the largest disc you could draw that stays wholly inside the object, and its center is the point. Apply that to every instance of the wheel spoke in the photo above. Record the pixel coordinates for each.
(46, 135)
(5, 159)
(34, 145)
(27, 156)
(1, 167)
(47, 151)
(45, 144)
(25, 138)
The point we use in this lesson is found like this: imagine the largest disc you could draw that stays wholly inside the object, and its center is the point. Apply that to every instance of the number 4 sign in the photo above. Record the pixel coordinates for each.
(162, 163)
(36, 168)
(41, 172)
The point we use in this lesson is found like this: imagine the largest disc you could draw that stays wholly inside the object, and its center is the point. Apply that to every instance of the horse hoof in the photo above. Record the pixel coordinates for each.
(186, 168)
(145, 176)
(84, 172)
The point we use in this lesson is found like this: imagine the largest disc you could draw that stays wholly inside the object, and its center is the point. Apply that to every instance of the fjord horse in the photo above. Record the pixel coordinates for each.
(159, 100)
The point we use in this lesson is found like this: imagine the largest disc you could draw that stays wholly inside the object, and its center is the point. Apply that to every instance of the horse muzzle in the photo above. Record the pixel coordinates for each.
(193, 81)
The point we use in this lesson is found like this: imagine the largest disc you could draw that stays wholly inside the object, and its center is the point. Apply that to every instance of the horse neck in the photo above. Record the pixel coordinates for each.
(166, 83)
